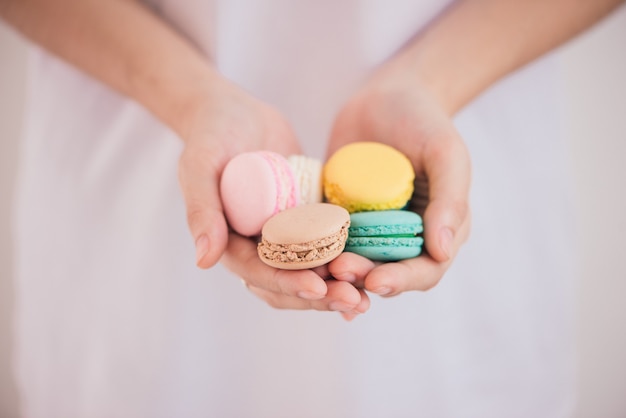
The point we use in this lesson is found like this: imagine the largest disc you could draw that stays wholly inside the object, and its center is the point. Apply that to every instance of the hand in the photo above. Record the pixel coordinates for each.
(226, 121)
(394, 108)
(223, 124)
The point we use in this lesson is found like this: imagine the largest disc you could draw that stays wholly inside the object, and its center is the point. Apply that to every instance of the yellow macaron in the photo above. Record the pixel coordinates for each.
(365, 176)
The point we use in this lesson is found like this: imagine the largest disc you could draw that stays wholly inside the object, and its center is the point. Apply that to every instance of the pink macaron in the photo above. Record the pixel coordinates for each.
(257, 185)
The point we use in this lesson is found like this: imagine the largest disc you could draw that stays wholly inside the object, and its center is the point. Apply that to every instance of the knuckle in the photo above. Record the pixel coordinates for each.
(430, 283)
(461, 206)
(279, 281)
(320, 305)
(460, 210)
(186, 162)
(195, 216)
(423, 280)
(273, 300)
(466, 229)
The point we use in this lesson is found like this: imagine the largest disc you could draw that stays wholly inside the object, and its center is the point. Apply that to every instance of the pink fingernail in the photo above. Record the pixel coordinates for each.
(305, 294)
(202, 247)
(346, 277)
(446, 238)
(349, 316)
(339, 306)
(383, 290)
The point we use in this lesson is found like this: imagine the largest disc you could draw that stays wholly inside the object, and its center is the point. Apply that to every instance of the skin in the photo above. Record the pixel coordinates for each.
(408, 102)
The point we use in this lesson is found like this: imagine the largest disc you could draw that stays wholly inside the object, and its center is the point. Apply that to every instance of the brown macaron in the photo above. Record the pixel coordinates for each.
(304, 237)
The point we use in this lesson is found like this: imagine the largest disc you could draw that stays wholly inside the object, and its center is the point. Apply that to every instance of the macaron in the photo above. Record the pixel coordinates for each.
(388, 235)
(256, 185)
(368, 176)
(308, 174)
(304, 237)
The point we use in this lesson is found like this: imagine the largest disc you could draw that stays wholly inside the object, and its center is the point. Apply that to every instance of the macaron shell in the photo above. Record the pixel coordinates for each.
(254, 186)
(384, 223)
(385, 249)
(366, 176)
(305, 223)
(303, 265)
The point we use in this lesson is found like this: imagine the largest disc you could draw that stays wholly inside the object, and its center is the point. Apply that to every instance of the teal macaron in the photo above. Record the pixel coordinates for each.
(388, 235)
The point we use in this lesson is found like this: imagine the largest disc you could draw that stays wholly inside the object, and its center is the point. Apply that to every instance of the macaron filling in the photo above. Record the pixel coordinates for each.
(399, 231)
(287, 192)
(308, 174)
(398, 241)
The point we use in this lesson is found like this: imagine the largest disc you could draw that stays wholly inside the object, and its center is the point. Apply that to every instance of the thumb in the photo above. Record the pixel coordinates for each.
(447, 168)
(199, 173)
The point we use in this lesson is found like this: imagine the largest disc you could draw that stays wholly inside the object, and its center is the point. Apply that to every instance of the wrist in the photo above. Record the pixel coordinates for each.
(175, 93)
(435, 76)
(475, 43)
(404, 74)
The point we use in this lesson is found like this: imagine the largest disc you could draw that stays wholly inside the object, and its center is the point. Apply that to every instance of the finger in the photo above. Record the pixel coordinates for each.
(341, 297)
(447, 167)
(365, 303)
(322, 271)
(351, 268)
(419, 273)
(199, 171)
(361, 308)
(241, 258)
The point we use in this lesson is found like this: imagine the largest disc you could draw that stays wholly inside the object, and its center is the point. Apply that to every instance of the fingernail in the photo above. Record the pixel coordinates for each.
(339, 306)
(202, 247)
(349, 316)
(383, 290)
(346, 277)
(305, 294)
(446, 237)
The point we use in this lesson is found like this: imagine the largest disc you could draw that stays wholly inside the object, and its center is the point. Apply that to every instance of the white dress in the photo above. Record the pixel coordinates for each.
(115, 321)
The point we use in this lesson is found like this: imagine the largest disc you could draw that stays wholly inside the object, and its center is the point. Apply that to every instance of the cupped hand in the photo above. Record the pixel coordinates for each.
(223, 123)
(395, 108)
(226, 121)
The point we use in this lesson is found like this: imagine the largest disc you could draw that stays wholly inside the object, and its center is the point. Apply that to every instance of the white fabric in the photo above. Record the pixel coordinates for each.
(114, 320)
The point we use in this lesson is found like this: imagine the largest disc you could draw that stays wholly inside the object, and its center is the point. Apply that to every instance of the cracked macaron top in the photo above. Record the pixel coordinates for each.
(304, 237)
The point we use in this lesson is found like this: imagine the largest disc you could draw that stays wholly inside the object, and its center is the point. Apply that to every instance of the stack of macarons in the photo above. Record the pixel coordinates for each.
(365, 184)
(374, 182)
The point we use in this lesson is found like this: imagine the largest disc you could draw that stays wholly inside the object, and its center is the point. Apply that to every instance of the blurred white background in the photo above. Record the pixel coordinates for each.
(594, 71)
